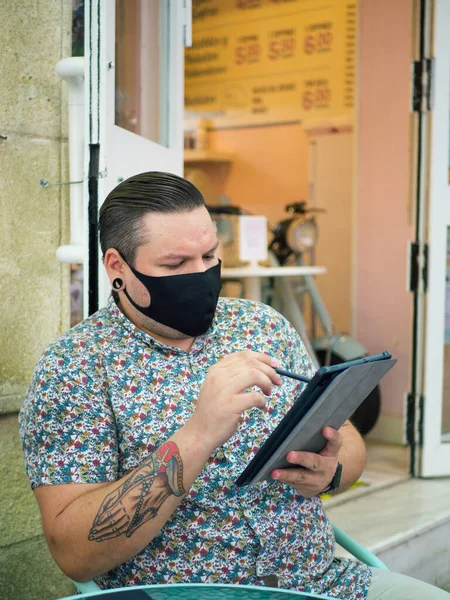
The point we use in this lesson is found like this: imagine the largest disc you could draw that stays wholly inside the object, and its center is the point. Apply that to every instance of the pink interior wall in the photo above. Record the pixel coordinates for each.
(383, 317)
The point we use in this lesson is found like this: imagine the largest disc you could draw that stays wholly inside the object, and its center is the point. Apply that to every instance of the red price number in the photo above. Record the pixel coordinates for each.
(318, 42)
(282, 48)
(316, 98)
(246, 54)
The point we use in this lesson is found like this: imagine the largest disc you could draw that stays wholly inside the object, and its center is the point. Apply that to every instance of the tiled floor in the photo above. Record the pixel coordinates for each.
(387, 458)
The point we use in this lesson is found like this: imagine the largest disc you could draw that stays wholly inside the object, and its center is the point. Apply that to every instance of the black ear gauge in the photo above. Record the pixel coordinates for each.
(117, 284)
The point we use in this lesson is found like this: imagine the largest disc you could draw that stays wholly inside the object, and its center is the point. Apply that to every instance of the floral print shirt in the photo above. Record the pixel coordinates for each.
(106, 394)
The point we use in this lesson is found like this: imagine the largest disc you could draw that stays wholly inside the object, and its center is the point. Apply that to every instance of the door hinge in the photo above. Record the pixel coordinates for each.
(410, 420)
(425, 267)
(420, 421)
(422, 85)
(418, 267)
(414, 419)
(413, 283)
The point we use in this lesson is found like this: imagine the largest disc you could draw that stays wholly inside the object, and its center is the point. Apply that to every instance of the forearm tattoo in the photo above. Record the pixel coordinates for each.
(140, 496)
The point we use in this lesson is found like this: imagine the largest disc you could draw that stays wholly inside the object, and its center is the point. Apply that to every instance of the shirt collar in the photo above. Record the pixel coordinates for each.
(200, 342)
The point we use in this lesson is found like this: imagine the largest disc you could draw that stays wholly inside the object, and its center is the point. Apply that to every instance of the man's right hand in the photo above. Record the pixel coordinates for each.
(223, 398)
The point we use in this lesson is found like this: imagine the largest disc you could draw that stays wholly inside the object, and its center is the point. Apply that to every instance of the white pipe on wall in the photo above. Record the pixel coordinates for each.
(70, 254)
(71, 70)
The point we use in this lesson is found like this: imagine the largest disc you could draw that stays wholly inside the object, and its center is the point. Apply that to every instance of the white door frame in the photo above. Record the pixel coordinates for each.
(113, 153)
(435, 453)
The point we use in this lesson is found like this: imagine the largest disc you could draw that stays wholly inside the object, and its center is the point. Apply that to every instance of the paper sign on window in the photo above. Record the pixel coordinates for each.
(252, 238)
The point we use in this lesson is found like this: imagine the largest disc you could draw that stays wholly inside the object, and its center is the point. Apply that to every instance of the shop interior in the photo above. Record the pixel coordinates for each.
(275, 133)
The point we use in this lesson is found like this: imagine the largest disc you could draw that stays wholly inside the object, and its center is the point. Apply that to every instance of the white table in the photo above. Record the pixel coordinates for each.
(252, 276)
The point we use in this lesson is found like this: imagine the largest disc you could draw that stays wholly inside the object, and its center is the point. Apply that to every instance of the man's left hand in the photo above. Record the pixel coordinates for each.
(312, 473)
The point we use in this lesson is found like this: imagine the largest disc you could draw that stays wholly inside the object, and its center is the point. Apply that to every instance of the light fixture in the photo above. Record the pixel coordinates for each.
(297, 234)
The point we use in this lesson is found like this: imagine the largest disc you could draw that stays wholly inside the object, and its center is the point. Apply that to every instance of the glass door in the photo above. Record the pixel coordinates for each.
(135, 54)
(435, 451)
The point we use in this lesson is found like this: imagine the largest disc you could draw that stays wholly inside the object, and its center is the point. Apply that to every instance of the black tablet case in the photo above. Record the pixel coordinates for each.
(336, 399)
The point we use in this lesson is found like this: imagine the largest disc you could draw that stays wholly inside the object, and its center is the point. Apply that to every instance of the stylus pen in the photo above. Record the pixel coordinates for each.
(293, 375)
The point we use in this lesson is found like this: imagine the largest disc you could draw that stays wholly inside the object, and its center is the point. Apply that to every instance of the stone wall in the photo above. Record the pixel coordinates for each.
(34, 287)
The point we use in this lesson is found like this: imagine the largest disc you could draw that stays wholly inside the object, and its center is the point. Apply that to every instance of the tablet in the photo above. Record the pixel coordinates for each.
(328, 400)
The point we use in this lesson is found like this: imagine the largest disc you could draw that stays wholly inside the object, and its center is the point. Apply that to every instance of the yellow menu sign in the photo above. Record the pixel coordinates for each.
(271, 61)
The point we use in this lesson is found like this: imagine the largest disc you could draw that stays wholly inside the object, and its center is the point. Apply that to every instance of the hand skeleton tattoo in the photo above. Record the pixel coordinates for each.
(140, 496)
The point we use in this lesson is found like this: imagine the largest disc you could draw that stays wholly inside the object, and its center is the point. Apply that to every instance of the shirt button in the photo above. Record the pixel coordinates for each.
(259, 570)
(232, 458)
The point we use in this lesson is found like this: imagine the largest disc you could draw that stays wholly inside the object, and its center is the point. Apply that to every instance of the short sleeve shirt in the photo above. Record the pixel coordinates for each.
(105, 395)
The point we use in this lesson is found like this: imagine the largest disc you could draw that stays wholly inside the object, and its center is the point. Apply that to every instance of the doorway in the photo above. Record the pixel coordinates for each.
(277, 154)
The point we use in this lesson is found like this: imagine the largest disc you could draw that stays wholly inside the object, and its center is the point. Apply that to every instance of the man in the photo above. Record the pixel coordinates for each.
(139, 420)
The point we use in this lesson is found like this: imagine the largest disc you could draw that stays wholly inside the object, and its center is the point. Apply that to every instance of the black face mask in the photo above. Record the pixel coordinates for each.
(186, 303)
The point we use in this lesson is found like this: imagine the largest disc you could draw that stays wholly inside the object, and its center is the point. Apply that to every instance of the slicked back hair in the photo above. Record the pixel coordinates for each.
(122, 212)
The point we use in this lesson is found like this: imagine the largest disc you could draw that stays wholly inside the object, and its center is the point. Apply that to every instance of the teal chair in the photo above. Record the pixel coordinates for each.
(356, 549)
(342, 539)
(199, 591)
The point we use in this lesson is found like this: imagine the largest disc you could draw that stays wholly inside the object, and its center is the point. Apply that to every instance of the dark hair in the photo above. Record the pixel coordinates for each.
(122, 211)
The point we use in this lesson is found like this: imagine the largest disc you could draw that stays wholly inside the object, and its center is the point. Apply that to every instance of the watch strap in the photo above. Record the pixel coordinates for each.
(336, 481)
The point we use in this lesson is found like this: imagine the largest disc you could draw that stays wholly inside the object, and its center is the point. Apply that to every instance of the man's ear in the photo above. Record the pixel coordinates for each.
(114, 264)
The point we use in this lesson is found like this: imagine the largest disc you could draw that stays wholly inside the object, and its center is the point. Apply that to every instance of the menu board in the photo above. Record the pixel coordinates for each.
(270, 61)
